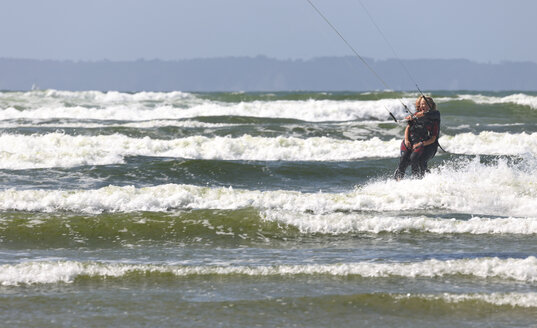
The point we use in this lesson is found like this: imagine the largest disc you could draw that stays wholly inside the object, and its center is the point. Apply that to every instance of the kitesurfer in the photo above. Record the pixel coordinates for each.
(421, 138)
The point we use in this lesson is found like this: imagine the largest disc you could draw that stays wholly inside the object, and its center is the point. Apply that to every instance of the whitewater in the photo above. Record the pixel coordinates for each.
(179, 204)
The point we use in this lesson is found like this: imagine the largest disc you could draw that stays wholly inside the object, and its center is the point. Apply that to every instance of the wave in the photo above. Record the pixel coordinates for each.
(343, 223)
(518, 99)
(61, 150)
(40, 230)
(39, 123)
(311, 110)
(456, 187)
(524, 300)
(147, 106)
(230, 227)
(125, 110)
(58, 98)
(490, 143)
(30, 229)
(42, 272)
(462, 307)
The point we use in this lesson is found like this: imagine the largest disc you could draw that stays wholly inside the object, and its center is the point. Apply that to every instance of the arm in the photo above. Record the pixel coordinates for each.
(407, 137)
(426, 142)
(415, 115)
(433, 137)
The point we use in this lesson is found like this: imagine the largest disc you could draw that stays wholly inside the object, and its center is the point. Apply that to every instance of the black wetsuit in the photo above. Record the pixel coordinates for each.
(421, 129)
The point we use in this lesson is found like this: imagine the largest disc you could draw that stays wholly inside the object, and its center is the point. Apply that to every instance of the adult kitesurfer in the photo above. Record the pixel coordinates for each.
(421, 138)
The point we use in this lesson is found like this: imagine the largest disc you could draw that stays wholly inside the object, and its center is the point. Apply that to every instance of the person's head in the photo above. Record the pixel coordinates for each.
(421, 104)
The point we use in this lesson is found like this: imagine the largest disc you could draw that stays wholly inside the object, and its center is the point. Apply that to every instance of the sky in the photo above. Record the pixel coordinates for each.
(80, 30)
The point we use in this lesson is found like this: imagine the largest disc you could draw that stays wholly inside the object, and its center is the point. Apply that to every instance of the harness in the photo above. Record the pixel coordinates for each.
(421, 129)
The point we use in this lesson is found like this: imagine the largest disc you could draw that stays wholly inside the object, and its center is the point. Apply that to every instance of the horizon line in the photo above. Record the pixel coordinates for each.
(105, 60)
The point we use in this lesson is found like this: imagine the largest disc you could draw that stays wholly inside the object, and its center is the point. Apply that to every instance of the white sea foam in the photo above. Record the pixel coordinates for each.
(463, 187)
(67, 271)
(307, 110)
(519, 99)
(61, 150)
(341, 223)
(187, 124)
(524, 300)
(471, 187)
(39, 98)
(490, 143)
(179, 105)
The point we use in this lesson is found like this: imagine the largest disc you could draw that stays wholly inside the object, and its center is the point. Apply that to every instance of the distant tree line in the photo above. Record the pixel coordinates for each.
(265, 74)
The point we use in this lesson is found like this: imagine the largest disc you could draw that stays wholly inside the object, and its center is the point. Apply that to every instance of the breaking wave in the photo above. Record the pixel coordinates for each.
(457, 187)
(43, 272)
(61, 150)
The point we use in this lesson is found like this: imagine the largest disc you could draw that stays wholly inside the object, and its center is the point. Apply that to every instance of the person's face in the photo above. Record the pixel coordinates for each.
(421, 105)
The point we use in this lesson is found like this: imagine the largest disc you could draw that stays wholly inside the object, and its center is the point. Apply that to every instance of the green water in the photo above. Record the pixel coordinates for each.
(264, 209)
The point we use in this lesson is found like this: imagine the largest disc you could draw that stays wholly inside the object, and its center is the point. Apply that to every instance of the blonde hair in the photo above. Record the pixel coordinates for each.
(428, 100)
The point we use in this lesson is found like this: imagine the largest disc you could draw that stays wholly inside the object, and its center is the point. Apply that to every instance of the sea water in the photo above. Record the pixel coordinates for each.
(264, 209)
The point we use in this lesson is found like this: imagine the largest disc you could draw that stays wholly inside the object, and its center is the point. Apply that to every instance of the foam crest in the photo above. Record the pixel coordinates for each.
(60, 150)
(36, 98)
(471, 188)
(314, 110)
(490, 143)
(342, 223)
(118, 112)
(115, 105)
(524, 300)
(187, 124)
(67, 271)
(306, 110)
(462, 187)
(519, 99)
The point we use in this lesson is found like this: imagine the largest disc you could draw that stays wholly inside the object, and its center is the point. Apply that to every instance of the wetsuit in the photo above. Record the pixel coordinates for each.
(421, 129)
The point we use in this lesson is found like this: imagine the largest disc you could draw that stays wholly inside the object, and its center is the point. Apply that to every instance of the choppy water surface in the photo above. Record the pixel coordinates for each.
(258, 209)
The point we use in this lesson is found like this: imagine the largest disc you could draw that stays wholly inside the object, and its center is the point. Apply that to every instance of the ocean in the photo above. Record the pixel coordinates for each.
(177, 209)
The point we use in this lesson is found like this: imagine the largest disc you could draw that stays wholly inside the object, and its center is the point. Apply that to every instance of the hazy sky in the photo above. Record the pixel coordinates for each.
(479, 30)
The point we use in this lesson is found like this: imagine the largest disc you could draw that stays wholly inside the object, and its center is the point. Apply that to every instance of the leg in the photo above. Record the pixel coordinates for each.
(415, 159)
(428, 153)
(404, 161)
